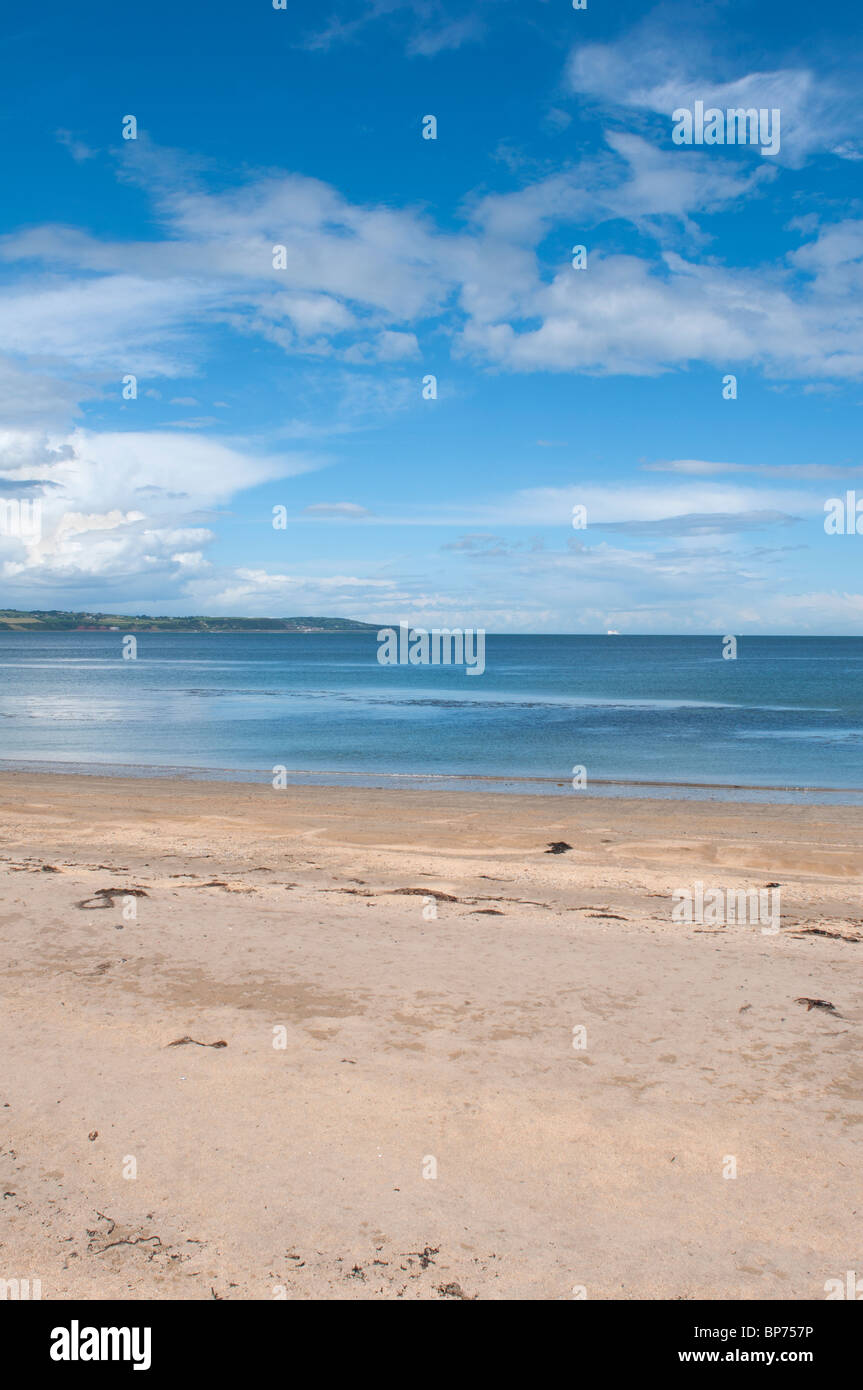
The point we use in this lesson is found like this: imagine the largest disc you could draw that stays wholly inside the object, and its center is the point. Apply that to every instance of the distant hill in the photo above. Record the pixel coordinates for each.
(56, 619)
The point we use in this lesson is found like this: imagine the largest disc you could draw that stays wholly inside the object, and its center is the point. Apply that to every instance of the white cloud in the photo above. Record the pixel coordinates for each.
(779, 472)
(361, 281)
(348, 511)
(431, 41)
(657, 68)
(79, 151)
(630, 502)
(624, 315)
(118, 504)
(426, 23)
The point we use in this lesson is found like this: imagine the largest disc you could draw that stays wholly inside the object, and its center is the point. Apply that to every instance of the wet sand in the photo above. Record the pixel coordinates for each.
(424, 962)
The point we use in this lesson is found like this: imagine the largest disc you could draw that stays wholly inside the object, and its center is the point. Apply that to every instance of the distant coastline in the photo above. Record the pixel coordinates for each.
(59, 620)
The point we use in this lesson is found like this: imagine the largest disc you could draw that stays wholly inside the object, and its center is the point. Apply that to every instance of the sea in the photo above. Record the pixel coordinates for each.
(587, 715)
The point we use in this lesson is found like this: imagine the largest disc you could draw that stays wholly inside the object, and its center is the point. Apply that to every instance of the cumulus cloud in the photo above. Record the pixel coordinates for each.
(118, 505)
(359, 283)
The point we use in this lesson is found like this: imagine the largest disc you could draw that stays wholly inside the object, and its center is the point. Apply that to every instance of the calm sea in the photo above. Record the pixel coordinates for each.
(641, 715)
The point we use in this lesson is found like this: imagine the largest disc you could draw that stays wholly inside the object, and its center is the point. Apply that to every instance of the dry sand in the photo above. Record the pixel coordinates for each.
(264, 1170)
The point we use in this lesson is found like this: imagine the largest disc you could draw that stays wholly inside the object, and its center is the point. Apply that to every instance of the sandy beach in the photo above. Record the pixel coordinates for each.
(399, 1106)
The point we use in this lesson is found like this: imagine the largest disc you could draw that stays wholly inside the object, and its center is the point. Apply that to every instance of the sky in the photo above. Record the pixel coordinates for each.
(304, 387)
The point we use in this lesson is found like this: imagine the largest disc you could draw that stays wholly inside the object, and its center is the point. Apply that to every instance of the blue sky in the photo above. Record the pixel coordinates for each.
(302, 387)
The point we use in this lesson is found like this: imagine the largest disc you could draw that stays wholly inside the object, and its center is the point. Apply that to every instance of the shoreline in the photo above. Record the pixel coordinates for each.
(496, 784)
(352, 815)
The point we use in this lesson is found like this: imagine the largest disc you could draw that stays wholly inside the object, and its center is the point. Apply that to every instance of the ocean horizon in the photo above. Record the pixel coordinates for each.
(552, 714)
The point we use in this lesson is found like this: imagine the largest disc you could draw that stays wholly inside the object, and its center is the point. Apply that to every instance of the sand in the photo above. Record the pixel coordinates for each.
(428, 1129)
